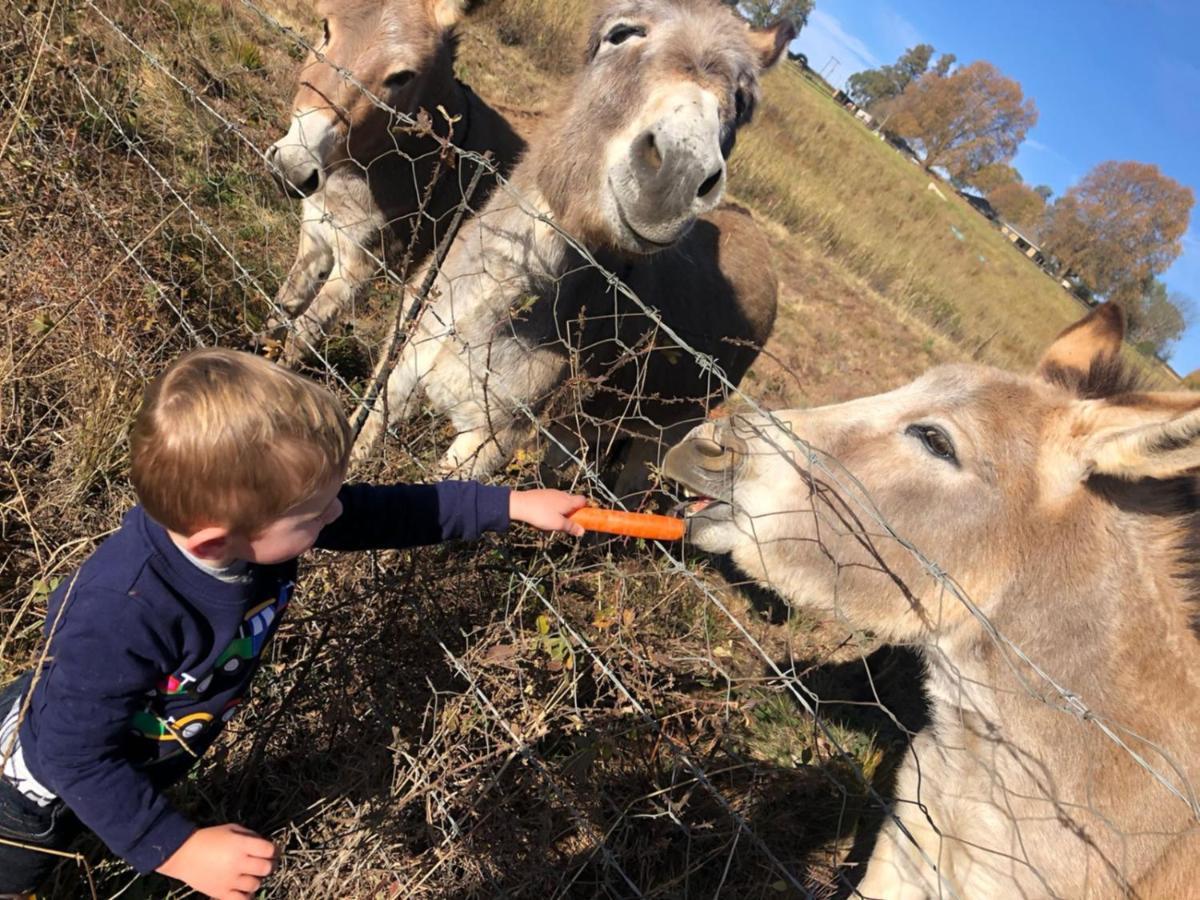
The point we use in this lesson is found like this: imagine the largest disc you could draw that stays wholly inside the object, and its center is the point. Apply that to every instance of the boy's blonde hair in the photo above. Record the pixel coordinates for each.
(229, 439)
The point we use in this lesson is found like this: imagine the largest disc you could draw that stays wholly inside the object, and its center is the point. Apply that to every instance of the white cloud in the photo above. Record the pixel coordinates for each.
(1037, 146)
(902, 33)
(824, 39)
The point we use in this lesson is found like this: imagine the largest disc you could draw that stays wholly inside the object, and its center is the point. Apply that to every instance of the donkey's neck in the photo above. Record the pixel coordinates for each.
(1110, 621)
(446, 102)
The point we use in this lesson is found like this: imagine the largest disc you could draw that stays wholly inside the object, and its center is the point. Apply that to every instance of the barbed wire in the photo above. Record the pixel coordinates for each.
(593, 476)
(807, 460)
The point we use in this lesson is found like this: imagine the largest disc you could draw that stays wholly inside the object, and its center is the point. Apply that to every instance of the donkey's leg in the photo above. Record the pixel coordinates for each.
(481, 450)
(490, 397)
(398, 401)
(896, 870)
(314, 261)
(898, 867)
(353, 266)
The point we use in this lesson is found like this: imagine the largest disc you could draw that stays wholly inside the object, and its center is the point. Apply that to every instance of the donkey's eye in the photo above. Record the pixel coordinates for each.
(399, 79)
(741, 105)
(619, 34)
(325, 29)
(935, 440)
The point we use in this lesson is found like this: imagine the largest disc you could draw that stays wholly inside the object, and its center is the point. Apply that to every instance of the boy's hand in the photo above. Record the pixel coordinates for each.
(227, 862)
(547, 510)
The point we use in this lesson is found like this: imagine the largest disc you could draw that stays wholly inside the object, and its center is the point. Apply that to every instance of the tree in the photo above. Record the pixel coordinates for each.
(874, 86)
(945, 61)
(966, 120)
(989, 178)
(1020, 205)
(1157, 319)
(1119, 227)
(912, 64)
(1045, 192)
(761, 13)
(870, 86)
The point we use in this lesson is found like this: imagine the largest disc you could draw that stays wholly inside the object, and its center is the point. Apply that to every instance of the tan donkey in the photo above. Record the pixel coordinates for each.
(361, 174)
(1064, 504)
(633, 165)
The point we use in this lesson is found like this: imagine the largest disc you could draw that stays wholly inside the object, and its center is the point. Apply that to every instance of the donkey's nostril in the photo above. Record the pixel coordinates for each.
(709, 183)
(311, 183)
(650, 152)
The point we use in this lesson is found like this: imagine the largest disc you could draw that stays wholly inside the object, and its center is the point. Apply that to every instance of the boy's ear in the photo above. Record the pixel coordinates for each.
(1096, 338)
(209, 543)
(1149, 436)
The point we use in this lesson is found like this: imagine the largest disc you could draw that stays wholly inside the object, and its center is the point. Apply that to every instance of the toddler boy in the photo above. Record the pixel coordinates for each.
(238, 466)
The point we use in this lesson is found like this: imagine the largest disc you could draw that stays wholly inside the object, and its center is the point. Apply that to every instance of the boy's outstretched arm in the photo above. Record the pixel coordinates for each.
(393, 516)
(381, 517)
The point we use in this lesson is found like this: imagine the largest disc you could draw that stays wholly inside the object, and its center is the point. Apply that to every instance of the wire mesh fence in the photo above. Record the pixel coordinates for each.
(513, 718)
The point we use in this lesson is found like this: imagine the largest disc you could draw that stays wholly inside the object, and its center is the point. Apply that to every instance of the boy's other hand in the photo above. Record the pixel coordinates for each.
(226, 862)
(546, 509)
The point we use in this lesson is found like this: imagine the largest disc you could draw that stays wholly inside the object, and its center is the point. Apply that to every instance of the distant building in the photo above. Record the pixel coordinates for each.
(1024, 244)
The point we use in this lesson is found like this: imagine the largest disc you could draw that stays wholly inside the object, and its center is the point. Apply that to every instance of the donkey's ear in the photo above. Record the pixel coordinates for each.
(770, 42)
(1096, 338)
(1145, 436)
(448, 13)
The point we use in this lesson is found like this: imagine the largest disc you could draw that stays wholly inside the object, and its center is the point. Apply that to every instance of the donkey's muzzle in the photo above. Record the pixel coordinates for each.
(296, 181)
(707, 460)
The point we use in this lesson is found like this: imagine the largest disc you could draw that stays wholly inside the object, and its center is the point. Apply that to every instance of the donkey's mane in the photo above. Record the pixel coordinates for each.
(1111, 378)
(452, 41)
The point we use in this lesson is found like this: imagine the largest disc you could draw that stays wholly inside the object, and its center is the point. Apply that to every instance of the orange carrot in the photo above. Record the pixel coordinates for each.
(643, 525)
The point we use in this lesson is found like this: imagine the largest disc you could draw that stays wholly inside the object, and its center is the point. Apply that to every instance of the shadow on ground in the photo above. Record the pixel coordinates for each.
(364, 744)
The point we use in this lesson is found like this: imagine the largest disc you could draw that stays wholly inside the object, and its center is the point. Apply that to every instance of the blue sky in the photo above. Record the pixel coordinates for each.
(1112, 79)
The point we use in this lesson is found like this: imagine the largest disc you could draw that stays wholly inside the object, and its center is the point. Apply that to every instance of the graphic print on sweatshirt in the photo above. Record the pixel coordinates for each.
(187, 710)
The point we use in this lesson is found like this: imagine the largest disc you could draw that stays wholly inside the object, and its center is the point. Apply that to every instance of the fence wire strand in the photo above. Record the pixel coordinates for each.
(513, 701)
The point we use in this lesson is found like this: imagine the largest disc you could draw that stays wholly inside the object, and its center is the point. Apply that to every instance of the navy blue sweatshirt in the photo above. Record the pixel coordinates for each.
(149, 656)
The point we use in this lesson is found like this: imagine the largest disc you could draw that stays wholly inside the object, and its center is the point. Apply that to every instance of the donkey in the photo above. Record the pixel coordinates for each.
(632, 159)
(1064, 505)
(362, 179)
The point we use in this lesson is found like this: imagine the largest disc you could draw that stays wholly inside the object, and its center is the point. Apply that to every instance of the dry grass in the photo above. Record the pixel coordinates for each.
(519, 718)
(822, 175)
(550, 33)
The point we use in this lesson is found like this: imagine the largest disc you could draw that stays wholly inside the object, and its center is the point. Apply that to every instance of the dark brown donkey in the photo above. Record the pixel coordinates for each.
(361, 174)
(1065, 506)
(632, 165)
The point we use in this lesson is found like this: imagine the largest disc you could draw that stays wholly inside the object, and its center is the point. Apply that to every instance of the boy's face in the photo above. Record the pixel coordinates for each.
(294, 532)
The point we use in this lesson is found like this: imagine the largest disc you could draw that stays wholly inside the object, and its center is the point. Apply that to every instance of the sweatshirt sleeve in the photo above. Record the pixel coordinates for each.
(104, 657)
(380, 517)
